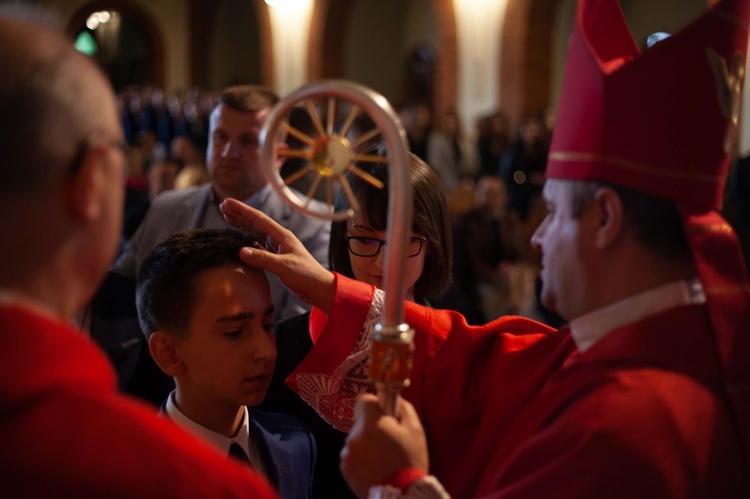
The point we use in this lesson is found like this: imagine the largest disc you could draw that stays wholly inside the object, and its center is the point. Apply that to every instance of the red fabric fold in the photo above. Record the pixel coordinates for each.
(718, 257)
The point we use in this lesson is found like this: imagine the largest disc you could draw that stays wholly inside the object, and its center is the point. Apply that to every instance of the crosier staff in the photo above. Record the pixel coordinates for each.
(331, 152)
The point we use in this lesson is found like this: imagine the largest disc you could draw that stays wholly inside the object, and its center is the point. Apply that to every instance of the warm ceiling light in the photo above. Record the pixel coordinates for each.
(92, 22)
(104, 16)
(97, 18)
(290, 4)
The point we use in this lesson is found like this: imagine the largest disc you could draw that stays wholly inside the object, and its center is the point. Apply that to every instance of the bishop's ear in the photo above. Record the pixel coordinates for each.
(163, 349)
(609, 211)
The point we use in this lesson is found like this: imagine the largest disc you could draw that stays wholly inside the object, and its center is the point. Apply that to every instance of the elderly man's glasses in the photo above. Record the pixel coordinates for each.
(369, 246)
(90, 142)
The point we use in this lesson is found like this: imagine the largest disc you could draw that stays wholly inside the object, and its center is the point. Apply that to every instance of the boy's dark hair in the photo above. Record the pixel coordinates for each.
(655, 219)
(430, 218)
(166, 290)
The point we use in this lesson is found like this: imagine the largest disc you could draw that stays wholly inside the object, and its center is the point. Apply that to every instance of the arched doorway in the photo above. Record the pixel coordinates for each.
(230, 42)
(122, 39)
(396, 30)
(234, 45)
(526, 57)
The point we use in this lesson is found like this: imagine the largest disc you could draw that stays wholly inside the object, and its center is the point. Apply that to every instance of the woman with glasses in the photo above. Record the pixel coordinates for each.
(356, 251)
(356, 247)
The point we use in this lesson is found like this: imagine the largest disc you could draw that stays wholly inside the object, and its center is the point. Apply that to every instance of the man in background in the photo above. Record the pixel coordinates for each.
(234, 163)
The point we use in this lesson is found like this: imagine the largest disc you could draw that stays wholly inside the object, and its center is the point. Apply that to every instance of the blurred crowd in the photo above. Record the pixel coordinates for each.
(492, 180)
(167, 134)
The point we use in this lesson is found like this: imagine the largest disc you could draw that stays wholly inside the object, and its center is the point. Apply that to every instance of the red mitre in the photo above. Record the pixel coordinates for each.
(663, 123)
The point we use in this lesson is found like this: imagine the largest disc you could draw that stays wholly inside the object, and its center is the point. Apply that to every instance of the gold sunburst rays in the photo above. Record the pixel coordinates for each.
(330, 154)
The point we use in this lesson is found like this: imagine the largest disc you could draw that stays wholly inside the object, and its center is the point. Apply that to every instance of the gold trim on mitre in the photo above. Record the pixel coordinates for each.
(571, 156)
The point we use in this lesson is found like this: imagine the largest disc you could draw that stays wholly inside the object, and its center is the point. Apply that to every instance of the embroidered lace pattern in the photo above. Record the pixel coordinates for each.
(333, 396)
(427, 487)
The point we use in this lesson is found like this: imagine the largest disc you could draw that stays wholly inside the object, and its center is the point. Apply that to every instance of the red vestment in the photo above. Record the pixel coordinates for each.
(511, 409)
(66, 432)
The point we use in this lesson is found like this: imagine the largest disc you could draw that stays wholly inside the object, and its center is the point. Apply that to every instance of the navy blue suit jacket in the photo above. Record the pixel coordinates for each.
(287, 449)
(293, 343)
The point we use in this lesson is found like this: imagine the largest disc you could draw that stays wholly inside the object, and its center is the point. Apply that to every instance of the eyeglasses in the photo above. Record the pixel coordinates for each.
(90, 141)
(369, 246)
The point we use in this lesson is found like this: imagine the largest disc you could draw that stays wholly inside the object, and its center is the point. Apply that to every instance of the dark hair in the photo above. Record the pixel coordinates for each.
(430, 218)
(248, 98)
(166, 290)
(655, 219)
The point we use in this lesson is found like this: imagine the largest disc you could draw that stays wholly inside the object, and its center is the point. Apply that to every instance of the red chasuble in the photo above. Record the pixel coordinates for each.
(511, 409)
(65, 432)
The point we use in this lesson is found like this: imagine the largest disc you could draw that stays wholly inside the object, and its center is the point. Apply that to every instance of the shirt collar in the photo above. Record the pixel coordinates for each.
(217, 440)
(259, 197)
(590, 328)
(255, 200)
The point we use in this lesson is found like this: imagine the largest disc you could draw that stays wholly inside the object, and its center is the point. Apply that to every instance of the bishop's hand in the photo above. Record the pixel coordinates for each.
(286, 256)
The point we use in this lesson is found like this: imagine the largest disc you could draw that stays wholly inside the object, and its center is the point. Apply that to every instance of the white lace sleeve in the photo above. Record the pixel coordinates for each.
(426, 487)
(333, 396)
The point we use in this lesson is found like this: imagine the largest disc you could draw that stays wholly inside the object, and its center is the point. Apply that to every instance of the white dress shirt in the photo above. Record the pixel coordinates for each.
(243, 437)
(592, 327)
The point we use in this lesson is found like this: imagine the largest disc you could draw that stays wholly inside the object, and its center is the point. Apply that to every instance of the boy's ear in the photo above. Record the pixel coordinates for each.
(163, 350)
